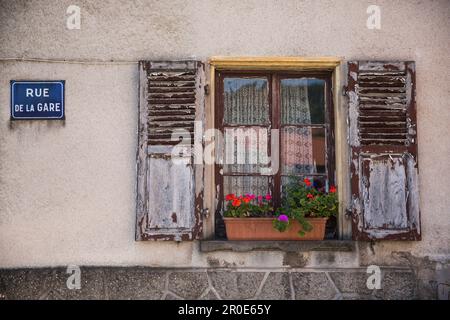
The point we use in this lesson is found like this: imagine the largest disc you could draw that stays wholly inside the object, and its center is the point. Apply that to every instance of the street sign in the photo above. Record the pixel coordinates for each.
(37, 100)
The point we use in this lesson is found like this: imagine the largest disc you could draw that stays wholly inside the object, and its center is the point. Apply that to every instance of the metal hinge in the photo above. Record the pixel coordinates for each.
(205, 212)
(348, 213)
(344, 91)
(206, 89)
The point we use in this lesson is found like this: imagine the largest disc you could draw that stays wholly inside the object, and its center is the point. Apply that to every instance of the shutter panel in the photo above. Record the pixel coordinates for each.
(171, 113)
(382, 137)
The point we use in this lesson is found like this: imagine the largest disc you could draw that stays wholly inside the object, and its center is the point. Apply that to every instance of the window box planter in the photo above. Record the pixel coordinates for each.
(262, 229)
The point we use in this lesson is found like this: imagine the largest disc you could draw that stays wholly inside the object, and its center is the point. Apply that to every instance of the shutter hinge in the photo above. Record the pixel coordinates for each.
(205, 213)
(348, 213)
(344, 90)
(206, 89)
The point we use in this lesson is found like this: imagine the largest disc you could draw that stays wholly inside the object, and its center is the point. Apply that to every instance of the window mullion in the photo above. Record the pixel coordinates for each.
(276, 125)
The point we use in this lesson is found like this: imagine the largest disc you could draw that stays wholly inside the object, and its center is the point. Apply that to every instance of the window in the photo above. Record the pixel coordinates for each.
(278, 120)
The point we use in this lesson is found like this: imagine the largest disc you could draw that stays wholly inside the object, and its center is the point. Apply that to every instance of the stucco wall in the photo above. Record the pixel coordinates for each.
(67, 190)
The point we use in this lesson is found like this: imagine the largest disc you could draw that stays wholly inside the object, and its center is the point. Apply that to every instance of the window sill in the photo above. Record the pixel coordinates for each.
(287, 246)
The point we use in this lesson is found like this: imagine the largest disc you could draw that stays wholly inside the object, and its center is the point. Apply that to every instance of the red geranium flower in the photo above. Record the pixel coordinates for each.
(236, 203)
(246, 199)
(307, 182)
(310, 196)
(332, 189)
(230, 196)
(268, 197)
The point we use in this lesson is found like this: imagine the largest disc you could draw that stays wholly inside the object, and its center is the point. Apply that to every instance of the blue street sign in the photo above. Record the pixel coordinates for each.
(37, 100)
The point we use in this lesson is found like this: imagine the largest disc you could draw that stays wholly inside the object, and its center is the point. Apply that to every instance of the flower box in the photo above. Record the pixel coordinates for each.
(262, 229)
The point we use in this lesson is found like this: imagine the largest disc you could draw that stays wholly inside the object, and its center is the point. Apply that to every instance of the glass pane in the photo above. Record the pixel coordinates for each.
(246, 150)
(246, 101)
(241, 185)
(302, 101)
(303, 150)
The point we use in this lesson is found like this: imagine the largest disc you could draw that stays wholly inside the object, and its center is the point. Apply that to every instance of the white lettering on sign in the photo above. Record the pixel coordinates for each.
(36, 92)
(52, 107)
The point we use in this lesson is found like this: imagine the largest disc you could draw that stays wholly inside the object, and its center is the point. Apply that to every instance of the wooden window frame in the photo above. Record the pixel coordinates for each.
(274, 78)
(288, 65)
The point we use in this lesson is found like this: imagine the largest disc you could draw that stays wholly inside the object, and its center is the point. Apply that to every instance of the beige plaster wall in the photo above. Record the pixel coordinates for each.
(67, 190)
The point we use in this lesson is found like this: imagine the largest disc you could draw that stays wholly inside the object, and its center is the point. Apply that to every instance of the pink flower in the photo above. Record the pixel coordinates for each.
(268, 197)
(283, 218)
(260, 198)
(251, 196)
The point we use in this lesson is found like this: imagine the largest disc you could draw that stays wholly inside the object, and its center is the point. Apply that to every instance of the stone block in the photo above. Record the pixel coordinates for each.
(189, 285)
(351, 282)
(397, 285)
(276, 287)
(236, 285)
(312, 286)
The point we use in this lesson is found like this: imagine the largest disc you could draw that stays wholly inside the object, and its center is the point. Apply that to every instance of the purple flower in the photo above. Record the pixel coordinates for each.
(283, 218)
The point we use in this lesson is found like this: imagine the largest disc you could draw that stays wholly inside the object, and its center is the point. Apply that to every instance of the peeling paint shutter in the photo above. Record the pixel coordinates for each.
(382, 136)
(171, 118)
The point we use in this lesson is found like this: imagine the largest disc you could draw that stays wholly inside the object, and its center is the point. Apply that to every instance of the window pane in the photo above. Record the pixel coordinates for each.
(246, 150)
(246, 101)
(241, 185)
(303, 150)
(302, 101)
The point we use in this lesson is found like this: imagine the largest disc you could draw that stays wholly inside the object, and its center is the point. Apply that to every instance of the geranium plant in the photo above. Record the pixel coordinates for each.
(304, 200)
(248, 205)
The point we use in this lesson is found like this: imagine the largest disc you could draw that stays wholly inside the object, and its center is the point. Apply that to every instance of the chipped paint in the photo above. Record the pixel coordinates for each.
(353, 119)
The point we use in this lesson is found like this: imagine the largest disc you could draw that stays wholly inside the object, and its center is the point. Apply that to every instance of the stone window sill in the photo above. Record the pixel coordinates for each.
(287, 246)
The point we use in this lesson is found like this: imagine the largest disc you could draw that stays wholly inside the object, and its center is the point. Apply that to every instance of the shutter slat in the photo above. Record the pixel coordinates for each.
(171, 95)
(383, 90)
(177, 106)
(161, 112)
(172, 118)
(171, 89)
(170, 84)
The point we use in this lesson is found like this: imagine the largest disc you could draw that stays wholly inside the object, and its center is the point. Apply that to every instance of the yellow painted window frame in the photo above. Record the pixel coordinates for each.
(285, 64)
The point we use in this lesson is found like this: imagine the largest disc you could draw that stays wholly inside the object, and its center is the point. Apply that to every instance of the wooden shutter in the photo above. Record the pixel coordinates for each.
(383, 141)
(169, 193)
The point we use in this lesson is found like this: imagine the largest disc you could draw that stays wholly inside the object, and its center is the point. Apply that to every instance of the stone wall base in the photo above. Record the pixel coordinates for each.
(211, 283)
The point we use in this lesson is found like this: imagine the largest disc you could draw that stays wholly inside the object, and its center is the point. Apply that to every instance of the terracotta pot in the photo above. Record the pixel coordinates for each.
(262, 229)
